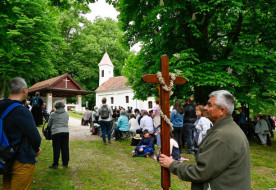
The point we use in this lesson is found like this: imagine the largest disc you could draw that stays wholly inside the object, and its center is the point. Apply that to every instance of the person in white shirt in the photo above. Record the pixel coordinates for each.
(146, 123)
(202, 124)
(133, 124)
(174, 150)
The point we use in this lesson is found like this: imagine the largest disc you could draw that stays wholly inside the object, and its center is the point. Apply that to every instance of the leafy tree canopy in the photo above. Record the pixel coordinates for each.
(213, 44)
(30, 33)
(85, 46)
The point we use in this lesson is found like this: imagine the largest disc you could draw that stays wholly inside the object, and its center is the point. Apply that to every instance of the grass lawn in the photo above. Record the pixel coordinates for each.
(75, 114)
(96, 166)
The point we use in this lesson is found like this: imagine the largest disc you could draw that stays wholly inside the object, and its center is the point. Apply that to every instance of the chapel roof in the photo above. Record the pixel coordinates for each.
(114, 83)
(106, 60)
(60, 85)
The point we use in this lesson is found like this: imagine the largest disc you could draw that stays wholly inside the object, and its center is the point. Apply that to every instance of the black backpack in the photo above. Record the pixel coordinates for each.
(6, 150)
(104, 112)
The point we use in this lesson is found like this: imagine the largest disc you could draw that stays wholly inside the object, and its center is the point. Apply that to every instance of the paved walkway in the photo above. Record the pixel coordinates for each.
(79, 132)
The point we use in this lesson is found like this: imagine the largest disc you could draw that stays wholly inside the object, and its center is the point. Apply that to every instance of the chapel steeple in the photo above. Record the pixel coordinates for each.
(105, 69)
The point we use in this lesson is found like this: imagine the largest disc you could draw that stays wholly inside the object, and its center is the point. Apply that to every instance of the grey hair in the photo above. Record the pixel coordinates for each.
(16, 85)
(59, 104)
(123, 112)
(224, 99)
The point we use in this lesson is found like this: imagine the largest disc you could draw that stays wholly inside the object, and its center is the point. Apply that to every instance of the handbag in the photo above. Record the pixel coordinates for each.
(47, 132)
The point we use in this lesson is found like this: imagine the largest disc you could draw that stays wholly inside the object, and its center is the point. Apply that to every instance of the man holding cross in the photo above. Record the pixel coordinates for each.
(223, 159)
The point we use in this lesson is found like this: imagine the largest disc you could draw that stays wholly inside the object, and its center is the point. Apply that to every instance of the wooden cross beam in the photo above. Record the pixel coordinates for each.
(165, 108)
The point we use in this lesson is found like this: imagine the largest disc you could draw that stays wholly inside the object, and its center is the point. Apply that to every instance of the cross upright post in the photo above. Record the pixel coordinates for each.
(165, 108)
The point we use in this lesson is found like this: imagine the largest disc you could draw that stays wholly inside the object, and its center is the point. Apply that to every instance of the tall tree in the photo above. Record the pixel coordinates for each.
(28, 36)
(214, 44)
(85, 46)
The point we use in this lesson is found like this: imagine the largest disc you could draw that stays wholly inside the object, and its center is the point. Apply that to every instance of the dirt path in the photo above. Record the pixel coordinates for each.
(79, 132)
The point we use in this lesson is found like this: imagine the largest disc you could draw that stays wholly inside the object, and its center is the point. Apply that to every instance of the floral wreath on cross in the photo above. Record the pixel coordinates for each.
(168, 89)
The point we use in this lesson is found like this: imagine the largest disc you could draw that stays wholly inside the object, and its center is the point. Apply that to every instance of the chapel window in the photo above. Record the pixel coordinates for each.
(102, 73)
(150, 104)
(127, 99)
(112, 100)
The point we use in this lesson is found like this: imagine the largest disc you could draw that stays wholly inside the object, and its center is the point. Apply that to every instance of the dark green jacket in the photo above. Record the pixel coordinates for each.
(223, 160)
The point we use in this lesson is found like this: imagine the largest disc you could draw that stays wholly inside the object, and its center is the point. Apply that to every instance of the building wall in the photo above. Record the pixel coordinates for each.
(108, 72)
(119, 97)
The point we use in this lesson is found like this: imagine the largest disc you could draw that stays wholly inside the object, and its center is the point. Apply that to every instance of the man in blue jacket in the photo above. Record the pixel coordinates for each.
(21, 132)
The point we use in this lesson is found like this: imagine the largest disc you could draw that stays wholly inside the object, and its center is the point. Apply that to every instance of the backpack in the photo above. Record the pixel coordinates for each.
(104, 112)
(47, 132)
(6, 150)
(35, 102)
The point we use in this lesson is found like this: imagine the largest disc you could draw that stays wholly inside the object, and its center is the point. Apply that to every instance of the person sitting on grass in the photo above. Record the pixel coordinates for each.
(122, 124)
(174, 150)
(145, 148)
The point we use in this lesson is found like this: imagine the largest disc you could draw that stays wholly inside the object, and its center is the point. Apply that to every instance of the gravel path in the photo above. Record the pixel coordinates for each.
(79, 132)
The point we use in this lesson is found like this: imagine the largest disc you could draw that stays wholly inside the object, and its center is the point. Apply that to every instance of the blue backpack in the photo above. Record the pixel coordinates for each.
(6, 150)
(35, 101)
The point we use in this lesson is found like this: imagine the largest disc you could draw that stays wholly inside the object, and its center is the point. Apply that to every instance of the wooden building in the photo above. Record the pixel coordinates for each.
(59, 88)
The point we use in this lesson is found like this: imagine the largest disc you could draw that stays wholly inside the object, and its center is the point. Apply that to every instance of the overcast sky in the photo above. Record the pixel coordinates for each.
(103, 9)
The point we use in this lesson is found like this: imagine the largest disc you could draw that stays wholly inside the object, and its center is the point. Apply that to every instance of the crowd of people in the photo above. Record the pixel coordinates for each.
(190, 124)
(223, 134)
(189, 121)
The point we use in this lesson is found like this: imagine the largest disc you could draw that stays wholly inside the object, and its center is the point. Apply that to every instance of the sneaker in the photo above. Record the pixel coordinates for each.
(148, 156)
(53, 166)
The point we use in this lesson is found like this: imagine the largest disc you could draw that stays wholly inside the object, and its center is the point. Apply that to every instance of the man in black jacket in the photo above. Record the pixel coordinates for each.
(188, 123)
(22, 133)
(37, 104)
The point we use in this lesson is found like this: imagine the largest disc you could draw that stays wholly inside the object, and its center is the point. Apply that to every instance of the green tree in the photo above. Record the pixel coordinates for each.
(213, 44)
(28, 40)
(85, 45)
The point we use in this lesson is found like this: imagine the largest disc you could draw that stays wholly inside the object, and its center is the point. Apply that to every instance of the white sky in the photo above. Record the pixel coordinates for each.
(103, 9)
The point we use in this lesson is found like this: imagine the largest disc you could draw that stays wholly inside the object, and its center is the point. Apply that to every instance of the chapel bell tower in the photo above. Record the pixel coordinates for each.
(105, 69)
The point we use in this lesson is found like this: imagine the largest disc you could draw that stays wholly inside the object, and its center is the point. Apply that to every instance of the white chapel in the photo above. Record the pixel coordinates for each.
(114, 89)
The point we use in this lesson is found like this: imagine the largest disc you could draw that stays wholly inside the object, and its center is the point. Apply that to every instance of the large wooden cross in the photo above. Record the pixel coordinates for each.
(165, 108)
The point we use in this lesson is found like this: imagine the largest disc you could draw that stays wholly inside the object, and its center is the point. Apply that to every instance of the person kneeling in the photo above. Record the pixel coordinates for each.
(145, 148)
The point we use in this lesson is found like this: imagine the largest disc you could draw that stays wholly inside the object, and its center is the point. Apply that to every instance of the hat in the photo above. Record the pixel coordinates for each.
(137, 136)
(146, 131)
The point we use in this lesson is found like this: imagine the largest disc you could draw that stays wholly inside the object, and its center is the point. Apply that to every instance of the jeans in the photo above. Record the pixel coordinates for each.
(177, 132)
(116, 133)
(138, 154)
(157, 135)
(105, 127)
(188, 131)
(61, 144)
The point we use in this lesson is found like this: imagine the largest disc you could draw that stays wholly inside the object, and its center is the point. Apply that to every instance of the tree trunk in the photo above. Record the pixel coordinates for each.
(202, 93)
(3, 87)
